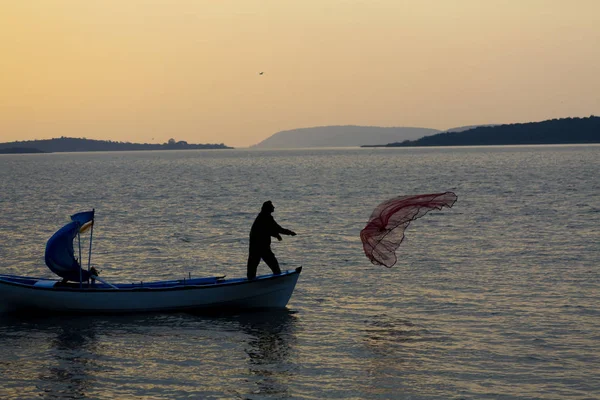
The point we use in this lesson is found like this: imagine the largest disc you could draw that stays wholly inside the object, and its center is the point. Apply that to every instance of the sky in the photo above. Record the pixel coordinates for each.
(146, 71)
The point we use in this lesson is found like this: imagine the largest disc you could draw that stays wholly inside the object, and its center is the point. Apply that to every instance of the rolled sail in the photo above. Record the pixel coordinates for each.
(60, 257)
(85, 220)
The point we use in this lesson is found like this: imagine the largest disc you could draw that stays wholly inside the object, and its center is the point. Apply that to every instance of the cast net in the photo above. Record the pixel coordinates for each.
(384, 232)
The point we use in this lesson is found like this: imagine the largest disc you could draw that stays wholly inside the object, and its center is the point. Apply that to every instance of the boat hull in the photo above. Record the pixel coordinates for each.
(267, 291)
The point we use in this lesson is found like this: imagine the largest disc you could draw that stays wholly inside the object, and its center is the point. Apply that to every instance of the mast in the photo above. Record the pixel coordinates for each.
(90, 250)
(79, 245)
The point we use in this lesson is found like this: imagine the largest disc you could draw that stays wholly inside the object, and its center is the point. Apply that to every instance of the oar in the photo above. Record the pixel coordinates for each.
(103, 281)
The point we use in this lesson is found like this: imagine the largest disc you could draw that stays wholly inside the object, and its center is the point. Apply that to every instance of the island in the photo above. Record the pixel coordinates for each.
(20, 150)
(67, 144)
(554, 131)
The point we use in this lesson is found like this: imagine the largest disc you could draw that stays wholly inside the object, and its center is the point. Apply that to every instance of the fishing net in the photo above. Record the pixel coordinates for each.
(385, 230)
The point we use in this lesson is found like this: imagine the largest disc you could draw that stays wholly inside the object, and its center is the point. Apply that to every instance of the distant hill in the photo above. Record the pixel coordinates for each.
(19, 150)
(466, 128)
(65, 144)
(554, 131)
(341, 136)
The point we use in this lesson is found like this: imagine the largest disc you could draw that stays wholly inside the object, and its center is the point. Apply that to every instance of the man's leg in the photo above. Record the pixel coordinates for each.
(253, 260)
(269, 258)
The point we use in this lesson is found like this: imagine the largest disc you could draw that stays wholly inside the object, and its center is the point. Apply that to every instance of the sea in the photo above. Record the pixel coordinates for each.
(497, 297)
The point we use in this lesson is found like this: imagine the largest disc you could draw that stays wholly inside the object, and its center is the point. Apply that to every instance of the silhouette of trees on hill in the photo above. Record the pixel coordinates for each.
(19, 150)
(66, 144)
(554, 131)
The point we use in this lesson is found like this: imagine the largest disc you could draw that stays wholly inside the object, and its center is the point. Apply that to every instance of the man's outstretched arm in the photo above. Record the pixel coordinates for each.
(287, 232)
(284, 231)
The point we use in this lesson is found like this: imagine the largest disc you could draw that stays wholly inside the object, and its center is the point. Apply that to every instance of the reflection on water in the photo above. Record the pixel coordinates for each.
(70, 370)
(168, 355)
(66, 348)
(271, 342)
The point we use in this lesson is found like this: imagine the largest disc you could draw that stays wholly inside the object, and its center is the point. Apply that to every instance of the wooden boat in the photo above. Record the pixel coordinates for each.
(19, 293)
(85, 295)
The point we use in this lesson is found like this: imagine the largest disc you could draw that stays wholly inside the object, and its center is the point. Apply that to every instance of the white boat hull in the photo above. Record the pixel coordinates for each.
(268, 291)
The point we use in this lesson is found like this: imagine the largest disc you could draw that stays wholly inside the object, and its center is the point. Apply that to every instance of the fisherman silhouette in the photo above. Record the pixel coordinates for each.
(263, 228)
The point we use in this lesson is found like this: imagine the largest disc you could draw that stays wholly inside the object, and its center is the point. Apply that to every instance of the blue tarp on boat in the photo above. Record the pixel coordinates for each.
(60, 257)
(83, 217)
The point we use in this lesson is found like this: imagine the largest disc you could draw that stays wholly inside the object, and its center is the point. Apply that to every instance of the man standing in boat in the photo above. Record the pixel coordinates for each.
(263, 228)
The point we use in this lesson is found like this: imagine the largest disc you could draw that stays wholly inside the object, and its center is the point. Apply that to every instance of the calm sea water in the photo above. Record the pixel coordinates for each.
(496, 298)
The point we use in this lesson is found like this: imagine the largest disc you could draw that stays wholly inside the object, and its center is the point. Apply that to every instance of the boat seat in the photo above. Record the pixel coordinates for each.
(45, 283)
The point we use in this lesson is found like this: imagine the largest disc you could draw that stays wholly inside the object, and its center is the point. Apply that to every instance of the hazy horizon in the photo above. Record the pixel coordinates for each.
(148, 71)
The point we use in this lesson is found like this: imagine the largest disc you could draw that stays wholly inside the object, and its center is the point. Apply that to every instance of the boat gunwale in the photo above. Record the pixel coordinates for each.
(180, 287)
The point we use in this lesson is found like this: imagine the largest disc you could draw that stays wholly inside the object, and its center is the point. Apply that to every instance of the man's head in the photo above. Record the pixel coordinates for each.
(267, 207)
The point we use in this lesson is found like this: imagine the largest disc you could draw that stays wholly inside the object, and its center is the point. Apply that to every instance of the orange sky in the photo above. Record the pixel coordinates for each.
(150, 70)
